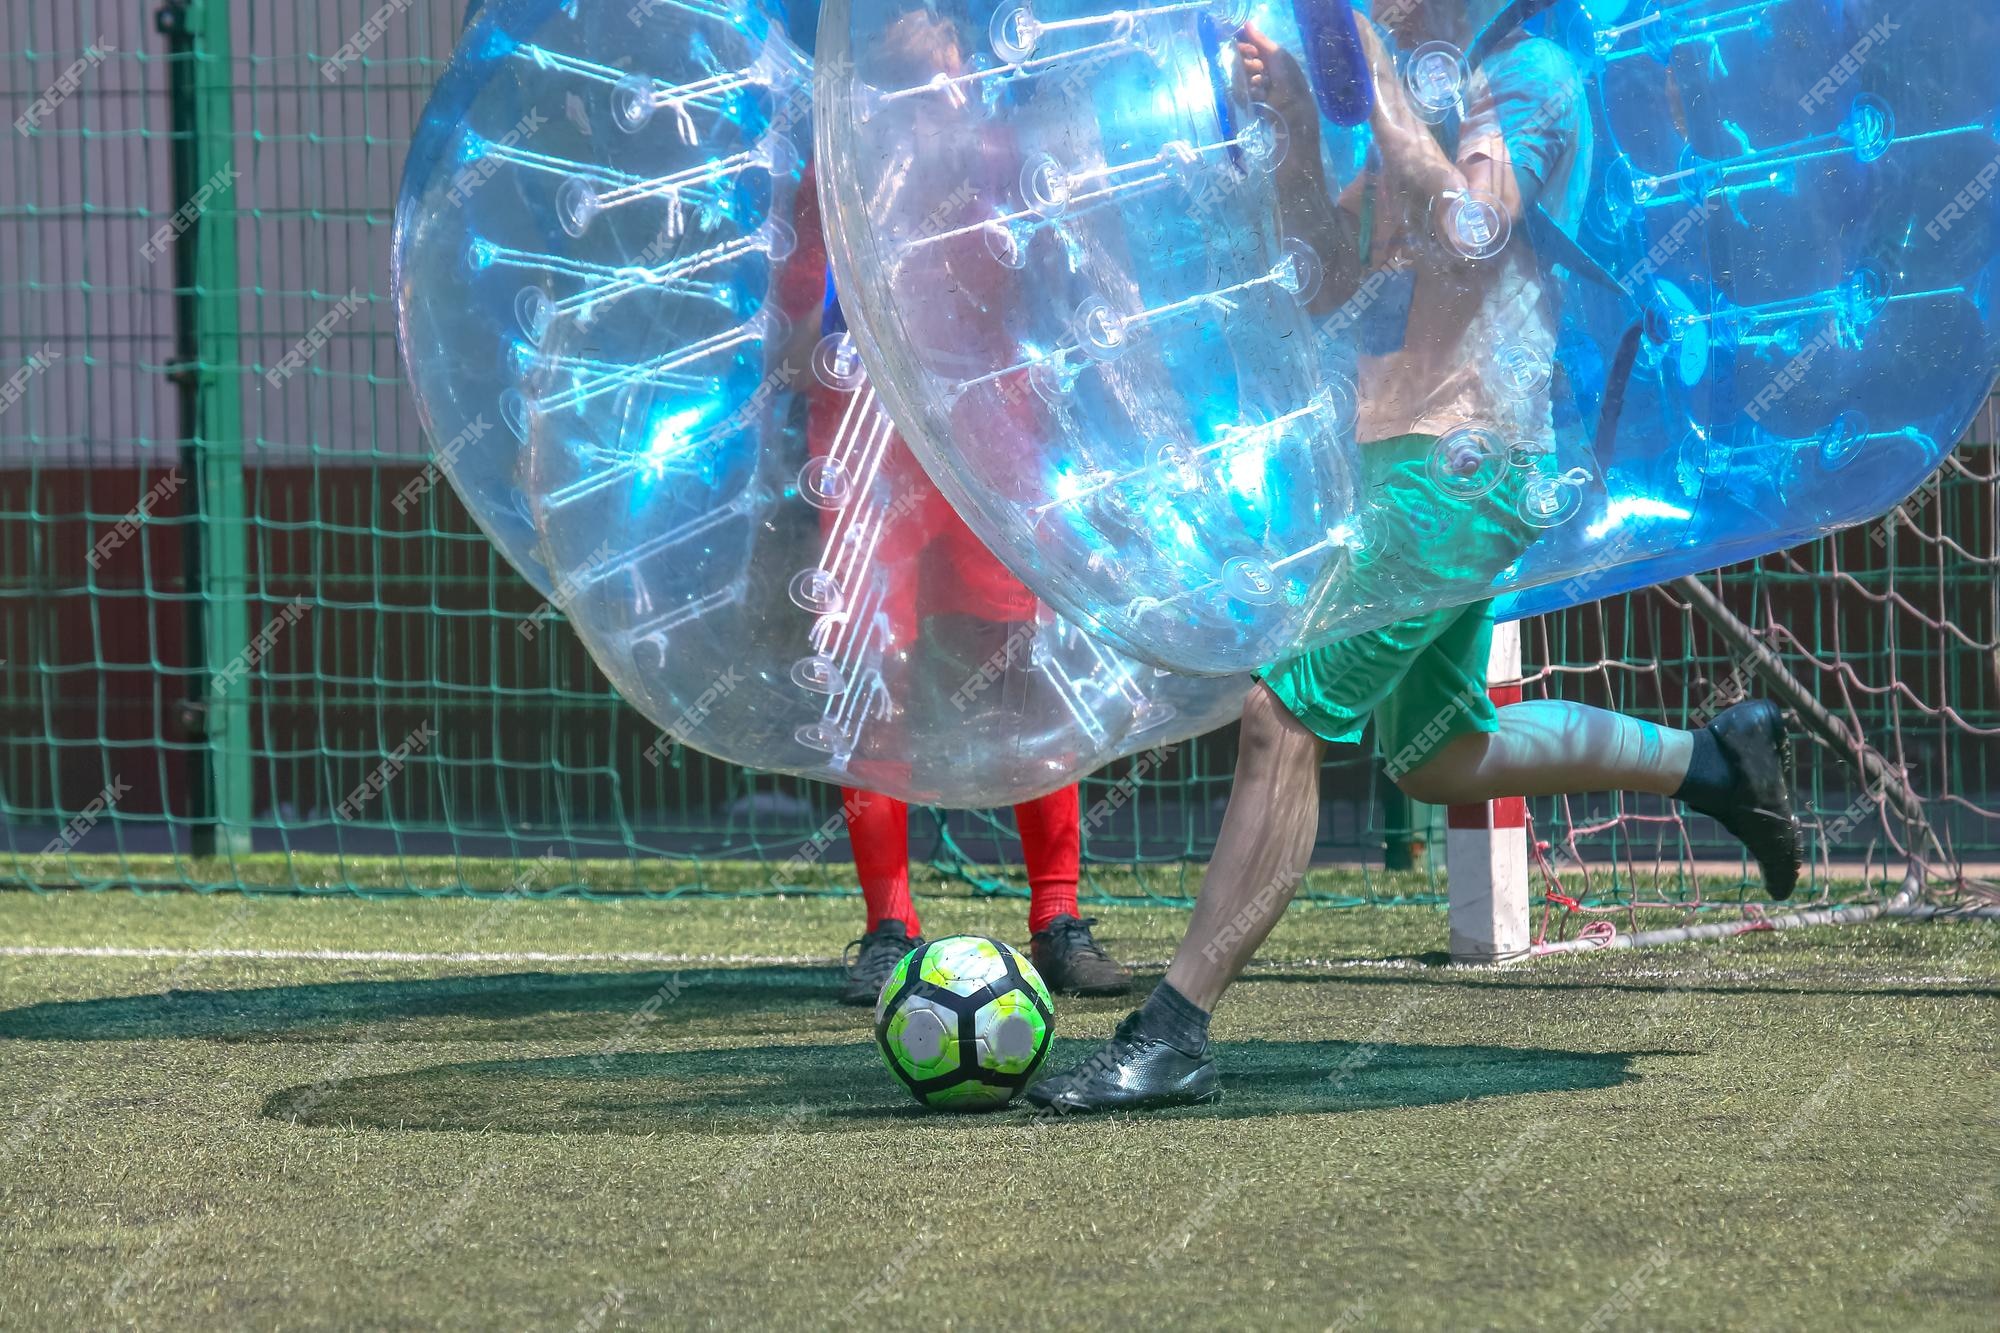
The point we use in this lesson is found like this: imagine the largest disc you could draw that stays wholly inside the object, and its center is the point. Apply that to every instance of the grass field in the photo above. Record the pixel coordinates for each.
(1786, 1131)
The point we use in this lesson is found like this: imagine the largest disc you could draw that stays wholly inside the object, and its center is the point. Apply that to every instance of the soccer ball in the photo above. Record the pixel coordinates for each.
(964, 1022)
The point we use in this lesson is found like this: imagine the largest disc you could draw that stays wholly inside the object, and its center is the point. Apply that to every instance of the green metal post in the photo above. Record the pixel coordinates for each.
(216, 546)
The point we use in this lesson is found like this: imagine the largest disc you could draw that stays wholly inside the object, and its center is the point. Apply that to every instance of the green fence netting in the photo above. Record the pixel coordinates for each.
(216, 627)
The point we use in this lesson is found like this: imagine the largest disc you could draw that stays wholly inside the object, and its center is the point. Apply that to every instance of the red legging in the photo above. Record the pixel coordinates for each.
(879, 828)
(927, 534)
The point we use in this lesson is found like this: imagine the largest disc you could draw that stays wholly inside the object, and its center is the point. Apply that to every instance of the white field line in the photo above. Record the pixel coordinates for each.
(397, 956)
(533, 956)
(1695, 977)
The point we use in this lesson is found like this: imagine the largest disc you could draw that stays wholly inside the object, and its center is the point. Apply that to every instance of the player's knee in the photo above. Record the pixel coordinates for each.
(1271, 736)
(1439, 778)
(1427, 784)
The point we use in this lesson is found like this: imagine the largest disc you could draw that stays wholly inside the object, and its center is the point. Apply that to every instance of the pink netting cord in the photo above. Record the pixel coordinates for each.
(1907, 662)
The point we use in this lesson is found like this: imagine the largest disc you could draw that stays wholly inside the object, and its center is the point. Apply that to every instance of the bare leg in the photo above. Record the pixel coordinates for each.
(1737, 770)
(1542, 749)
(1266, 841)
(1160, 1056)
(1551, 748)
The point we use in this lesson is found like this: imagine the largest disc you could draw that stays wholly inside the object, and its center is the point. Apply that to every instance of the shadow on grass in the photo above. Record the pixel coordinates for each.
(766, 1089)
(507, 1006)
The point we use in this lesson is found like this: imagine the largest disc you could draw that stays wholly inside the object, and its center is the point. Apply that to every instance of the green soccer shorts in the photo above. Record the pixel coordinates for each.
(1423, 679)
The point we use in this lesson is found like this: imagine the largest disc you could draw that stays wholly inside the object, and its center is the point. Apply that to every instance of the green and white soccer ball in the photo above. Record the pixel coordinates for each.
(964, 1022)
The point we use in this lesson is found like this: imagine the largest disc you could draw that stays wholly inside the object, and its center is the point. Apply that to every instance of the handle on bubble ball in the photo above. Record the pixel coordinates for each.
(831, 318)
(1338, 66)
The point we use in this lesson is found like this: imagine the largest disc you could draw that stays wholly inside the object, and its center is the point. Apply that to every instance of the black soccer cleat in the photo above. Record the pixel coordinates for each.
(879, 952)
(1131, 1072)
(1758, 808)
(1072, 963)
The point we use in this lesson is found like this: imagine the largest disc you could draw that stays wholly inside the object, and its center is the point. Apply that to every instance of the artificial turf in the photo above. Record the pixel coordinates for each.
(1782, 1131)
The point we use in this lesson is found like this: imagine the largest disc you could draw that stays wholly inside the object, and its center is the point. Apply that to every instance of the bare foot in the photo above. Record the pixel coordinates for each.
(1277, 81)
(1273, 71)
